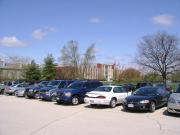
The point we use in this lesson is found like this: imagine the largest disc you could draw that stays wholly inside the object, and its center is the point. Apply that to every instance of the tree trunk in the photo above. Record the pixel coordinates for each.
(164, 76)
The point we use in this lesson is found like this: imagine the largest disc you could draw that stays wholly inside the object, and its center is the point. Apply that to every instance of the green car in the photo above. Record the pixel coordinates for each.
(2, 86)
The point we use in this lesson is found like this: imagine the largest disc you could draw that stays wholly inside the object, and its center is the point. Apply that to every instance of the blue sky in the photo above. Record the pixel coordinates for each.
(35, 28)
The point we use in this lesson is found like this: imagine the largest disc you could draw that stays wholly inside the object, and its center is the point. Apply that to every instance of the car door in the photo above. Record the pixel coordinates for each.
(119, 93)
(84, 89)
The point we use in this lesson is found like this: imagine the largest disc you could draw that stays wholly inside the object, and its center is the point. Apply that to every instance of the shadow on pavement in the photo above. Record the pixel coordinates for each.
(166, 113)
(66, 104)
(134, 111)
(99, 106)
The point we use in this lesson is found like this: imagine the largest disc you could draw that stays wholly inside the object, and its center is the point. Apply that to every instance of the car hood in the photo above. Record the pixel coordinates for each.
(137, 98)
(176, 96)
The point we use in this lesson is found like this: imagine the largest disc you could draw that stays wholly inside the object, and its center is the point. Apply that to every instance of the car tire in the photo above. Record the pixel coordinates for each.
(53, 98)
(14, 93)
(124, 108)
(113, 103)
(152, 106)
(36, 95)
(75, 100)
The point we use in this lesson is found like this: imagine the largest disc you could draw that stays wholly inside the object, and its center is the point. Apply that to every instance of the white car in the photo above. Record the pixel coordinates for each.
(107, 95)
(174, 102)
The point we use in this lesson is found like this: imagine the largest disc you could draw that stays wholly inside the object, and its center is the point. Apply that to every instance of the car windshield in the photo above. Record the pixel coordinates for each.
(103, 89)
(145, 92)
(53, 83)
(178, 90)
(75, 85)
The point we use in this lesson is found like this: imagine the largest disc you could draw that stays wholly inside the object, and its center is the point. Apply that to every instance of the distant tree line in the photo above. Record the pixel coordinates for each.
(73, 64)
(158, 54)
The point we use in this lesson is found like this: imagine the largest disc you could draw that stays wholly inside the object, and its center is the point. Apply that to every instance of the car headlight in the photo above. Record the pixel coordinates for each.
(144, 101)
(67, 94)
(171, 100)
(47, 93)
(30, 90)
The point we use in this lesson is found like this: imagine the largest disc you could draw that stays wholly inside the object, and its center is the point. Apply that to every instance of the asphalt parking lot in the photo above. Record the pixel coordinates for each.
(20, 116)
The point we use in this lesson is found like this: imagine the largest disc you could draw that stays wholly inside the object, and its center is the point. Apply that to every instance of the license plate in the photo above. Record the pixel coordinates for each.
(57, 98)
(130, 105)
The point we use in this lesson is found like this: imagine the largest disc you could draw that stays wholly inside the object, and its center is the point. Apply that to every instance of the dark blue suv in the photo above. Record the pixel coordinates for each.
(48, 93)
(76, 91)
(33, 90)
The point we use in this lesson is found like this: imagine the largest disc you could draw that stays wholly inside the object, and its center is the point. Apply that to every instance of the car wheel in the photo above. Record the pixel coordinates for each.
(75, 100)
(26, 96)
(113, 103)
(36, 95)
(14, 93)
(53, 98)
(124, 108)
(152, 107)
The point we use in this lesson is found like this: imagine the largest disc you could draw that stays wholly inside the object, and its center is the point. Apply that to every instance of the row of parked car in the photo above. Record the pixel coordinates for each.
(95, 93)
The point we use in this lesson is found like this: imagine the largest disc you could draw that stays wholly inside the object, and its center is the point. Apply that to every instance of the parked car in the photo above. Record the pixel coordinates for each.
(11, 90)
(174, 102)
(146, 98)
(20, 91)
(33, 90)
(76, 91)
(49, 94)
(2, 87)
(107, 95)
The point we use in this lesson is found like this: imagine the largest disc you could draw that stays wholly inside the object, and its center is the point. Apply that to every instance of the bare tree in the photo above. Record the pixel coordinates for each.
(160, 53)
(70, 56)
(88, 59)
(18, 61)
(73, 62)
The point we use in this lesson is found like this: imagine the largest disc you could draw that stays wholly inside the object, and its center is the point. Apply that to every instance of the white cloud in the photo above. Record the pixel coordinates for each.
(40, 34)
(164, 20)
(11, 42)
(96, 20)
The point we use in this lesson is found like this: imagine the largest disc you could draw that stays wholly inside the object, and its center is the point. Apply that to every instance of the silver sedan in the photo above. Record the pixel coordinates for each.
(174, 102)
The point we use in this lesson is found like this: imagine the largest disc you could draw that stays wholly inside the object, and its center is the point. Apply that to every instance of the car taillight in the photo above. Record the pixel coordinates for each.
(101, 97)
